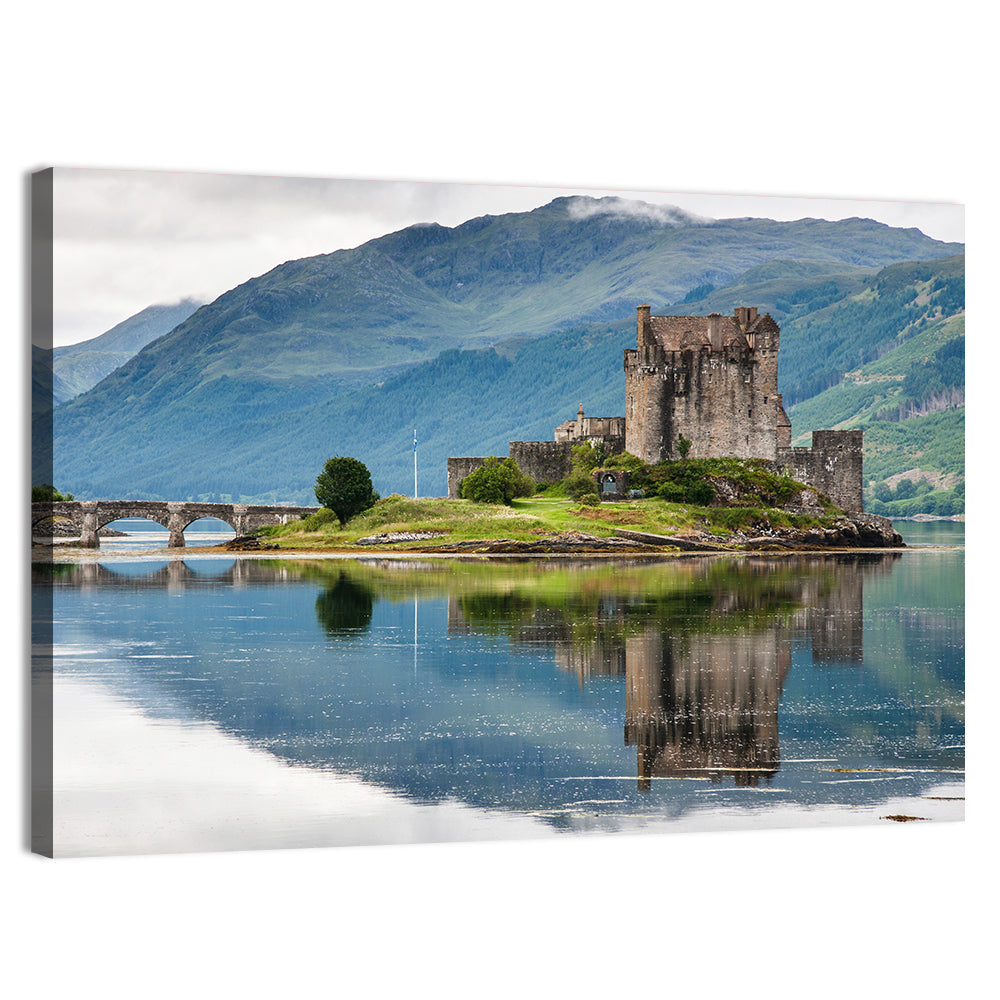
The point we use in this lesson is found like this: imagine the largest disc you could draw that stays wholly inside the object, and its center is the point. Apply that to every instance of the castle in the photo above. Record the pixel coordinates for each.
(712, 380)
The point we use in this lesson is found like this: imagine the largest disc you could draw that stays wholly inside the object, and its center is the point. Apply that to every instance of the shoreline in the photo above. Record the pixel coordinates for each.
(69, 553)
(876, 535)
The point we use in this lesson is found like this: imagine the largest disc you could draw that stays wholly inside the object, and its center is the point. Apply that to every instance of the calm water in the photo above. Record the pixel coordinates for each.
(208, 703)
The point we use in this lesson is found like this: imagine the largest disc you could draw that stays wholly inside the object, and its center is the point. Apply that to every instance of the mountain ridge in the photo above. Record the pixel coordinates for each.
(247, 367)
(79, 367)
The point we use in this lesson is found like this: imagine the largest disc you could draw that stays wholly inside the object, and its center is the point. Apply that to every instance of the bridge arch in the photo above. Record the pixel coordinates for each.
(176, 520)
(89, 516)
(41, 519)
(104, 518)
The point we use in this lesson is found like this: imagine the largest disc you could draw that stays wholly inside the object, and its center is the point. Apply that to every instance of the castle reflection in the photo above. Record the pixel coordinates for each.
(709, 707)
(704, 665)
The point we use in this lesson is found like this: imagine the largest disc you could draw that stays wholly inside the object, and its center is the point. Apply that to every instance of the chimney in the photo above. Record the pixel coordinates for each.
(715, 331)
(644, 332)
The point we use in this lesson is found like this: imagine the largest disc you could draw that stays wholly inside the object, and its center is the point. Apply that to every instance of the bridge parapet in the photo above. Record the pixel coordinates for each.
(89, 516)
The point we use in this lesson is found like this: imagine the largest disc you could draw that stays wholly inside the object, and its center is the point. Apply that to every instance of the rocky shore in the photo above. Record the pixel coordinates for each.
(859, 531)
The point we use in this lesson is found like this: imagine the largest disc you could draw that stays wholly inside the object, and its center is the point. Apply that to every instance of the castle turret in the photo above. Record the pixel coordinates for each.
(644, 333)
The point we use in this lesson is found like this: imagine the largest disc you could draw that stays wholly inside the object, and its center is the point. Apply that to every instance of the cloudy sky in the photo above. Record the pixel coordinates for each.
(125, 240)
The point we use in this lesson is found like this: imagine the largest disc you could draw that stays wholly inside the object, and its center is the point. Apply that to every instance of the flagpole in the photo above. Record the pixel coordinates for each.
(414, 463)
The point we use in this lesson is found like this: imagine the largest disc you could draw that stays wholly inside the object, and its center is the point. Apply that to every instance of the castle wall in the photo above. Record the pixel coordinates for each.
(543, 461)
(648, 424)
(458, 469)
(833, 466)
(724, 402)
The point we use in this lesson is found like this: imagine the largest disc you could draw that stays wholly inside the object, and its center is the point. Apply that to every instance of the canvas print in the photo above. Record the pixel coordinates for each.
(370, 512)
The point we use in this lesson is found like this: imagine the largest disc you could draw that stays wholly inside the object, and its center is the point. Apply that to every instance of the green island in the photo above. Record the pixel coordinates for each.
(722, 504)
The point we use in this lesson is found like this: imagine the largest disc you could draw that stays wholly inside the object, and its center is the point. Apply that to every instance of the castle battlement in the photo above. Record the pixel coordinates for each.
(710, 379)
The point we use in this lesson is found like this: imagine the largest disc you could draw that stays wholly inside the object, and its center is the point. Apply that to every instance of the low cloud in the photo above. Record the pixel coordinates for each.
(668, 215)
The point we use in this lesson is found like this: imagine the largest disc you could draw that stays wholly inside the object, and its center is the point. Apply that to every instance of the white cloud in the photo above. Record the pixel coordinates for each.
(127, 239)
(587, 208)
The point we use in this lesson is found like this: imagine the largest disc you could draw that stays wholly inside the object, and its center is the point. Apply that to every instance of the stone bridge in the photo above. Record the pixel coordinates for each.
(89, 516)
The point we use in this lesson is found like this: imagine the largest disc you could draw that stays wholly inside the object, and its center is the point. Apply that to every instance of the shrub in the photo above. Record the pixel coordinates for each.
(345, 487)
(48, 494)
(496, 481)
(694, 491)
(588, 456)
(578, 484)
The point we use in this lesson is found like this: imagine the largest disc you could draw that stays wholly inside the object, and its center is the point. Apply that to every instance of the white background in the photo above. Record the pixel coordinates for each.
(858, 100)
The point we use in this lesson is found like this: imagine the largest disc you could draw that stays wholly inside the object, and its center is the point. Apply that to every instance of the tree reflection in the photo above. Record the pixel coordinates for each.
(344, 608)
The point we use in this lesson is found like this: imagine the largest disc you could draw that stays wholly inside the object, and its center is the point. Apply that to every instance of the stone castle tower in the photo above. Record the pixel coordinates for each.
(710, 379)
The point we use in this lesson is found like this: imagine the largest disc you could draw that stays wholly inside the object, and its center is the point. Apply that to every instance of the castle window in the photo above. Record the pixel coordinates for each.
(765, 400)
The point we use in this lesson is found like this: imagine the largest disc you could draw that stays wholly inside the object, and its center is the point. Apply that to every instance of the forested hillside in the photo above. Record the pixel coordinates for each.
(877, 348)
(488, 332)
(462, 402)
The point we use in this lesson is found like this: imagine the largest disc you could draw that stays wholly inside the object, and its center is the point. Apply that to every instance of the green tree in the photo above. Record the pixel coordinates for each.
(496, 481)
(345, 487)
(588, 456)
(683, 447)
(882, 491)
(579, 485)
(46, 493)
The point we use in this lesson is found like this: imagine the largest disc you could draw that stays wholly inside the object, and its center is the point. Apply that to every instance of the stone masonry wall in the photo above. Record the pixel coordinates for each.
(833, 466)
(543, 461)
(724, 402)
(458, 469)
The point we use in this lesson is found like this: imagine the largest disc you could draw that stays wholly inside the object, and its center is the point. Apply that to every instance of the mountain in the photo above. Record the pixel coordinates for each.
(494, 330)
(462, 402)
(474, 402)
(79, 367)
